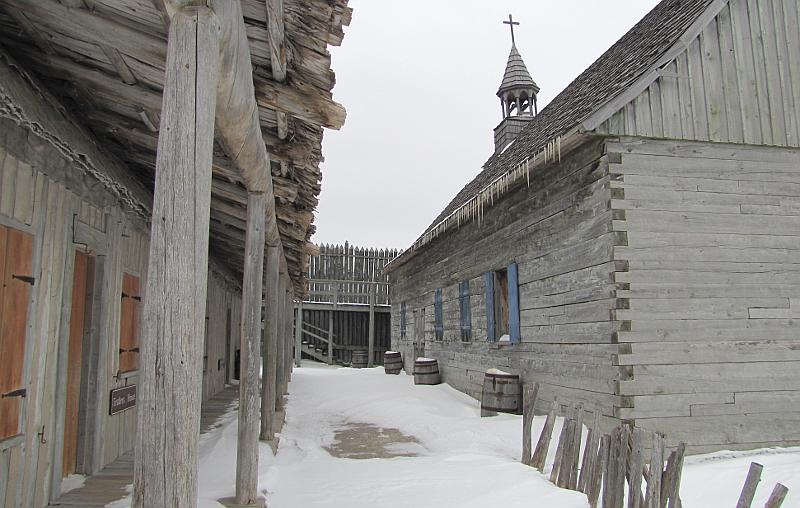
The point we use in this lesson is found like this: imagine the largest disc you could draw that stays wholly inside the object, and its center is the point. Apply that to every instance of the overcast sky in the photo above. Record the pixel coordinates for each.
(418, 79)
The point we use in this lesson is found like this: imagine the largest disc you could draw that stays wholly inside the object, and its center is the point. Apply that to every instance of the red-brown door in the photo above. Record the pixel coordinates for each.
(16, 280)
(77, 330)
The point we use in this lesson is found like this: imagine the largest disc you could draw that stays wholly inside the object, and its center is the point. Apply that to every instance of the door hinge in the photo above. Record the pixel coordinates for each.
(22, 392)
(131, 350)
(27, 279)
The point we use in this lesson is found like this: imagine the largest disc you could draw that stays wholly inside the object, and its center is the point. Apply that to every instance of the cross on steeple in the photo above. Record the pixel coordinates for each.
(511, 24)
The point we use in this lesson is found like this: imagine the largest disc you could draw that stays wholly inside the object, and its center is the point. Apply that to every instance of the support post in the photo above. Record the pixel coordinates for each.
(330, 322)
(280, 302)
(298, 334)
(288, 354)
(247, 449)
(269, 360)
(371, 339)
(165, 469)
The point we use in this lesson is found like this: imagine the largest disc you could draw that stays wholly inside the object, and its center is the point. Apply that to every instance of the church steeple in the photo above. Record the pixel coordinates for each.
(517, 94)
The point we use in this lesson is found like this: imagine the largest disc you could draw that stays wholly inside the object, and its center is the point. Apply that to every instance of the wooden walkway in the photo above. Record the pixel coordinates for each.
(113, 482)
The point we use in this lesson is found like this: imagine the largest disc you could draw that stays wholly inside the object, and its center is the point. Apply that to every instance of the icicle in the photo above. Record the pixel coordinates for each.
(558, 144)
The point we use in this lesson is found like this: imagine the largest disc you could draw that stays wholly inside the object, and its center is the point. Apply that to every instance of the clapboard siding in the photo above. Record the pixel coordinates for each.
(558, 232)
(738, 82)
(42, 195)
(712, 285)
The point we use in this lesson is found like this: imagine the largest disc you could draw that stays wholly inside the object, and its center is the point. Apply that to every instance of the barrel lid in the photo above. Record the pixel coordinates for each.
(392, 352)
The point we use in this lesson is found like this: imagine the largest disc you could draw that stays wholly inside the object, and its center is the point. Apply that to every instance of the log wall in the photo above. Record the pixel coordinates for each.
(45, 195)
(711, 333)
(558, 232)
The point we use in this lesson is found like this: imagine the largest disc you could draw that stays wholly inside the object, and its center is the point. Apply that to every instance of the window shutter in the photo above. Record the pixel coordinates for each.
(438, 314)
(513, 303)
(466, 315)
(403, 320)
(488, 283)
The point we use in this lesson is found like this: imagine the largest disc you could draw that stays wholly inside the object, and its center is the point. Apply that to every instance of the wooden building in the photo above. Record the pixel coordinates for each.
(347, 308)
(635, 248)
(159, 159)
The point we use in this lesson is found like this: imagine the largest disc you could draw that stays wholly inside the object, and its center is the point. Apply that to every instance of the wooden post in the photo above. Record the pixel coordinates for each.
(527, 422)
(674, 487)
(287, 352)
(598, 471)
(280, 302)
(269, 360)
(562, 441)
(247, 449)
(750, 485)
(371, 343)
(169, 393)
(590, 453)
(330, 322)
(637, 464)
(778, 495)
(298, 334)
(653, 498)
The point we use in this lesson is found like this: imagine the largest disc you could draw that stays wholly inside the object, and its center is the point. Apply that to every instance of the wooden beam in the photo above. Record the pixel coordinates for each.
(247, 450)
(269, 363)
(298, 334)
(165, 470)
(277, 43)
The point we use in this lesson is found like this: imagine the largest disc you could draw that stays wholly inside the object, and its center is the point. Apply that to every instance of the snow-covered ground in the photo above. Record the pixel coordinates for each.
(461, 460)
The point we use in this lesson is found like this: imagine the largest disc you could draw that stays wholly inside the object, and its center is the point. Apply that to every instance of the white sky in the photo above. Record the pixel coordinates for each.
(418, 79)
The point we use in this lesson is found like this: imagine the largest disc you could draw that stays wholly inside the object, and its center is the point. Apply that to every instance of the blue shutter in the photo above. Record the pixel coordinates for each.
(513, 303)
(488, 283)
(438, 314)
(466, 313)
(403, 320)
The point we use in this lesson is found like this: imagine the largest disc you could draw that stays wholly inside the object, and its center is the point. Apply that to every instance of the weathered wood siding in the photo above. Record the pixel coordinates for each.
(43, 194)
(738, 82)
(224, 300)
(711, 335)
(559, 232)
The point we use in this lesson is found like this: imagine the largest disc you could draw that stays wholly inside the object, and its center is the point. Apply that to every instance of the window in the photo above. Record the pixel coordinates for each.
(466, 313)
(438, 314)
(129, 324)
(16, 276)
(502, 304)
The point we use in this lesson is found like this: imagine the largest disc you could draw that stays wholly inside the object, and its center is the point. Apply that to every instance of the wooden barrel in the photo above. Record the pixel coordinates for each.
(501, 393)
(359, 360)
(426, 372)
(392, 362)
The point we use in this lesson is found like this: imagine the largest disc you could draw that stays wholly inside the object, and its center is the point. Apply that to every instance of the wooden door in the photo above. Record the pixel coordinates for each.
(78, 324)
(16, 281)
(419, 333)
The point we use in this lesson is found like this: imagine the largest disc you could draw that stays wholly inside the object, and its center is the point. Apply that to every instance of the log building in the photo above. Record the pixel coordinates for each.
(159, 168)
(634, 246)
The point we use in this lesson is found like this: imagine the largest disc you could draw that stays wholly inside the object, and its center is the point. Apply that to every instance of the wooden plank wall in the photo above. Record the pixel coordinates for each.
(351, 332)
(42, 194)
(349, 263)
(738, 82)
(712, 340)
(223, 298)
(558, 231)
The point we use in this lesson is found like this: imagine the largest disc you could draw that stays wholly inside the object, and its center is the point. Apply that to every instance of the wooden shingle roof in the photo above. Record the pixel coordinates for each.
(516, 74)
(609, 76)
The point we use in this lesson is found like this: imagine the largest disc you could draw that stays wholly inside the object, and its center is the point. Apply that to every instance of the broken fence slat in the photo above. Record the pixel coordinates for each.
(636, 468)
(589, 453)
(543, 445)
(778, 495)
(750, 485)
(527, 422)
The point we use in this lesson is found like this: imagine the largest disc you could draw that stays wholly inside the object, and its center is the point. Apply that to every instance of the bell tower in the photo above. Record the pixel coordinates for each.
(517, 95)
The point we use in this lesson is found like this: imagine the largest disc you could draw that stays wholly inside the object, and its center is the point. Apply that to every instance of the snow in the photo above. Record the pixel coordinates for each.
(446, 454)
(423, 359)
(505, 338)
(72, 482)
(497, 372)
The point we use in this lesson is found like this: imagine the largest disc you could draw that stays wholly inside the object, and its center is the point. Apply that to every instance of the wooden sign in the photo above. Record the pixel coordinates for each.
(122, 399)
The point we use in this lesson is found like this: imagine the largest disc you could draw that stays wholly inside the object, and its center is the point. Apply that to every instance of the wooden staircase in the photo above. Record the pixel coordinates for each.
(316, 350)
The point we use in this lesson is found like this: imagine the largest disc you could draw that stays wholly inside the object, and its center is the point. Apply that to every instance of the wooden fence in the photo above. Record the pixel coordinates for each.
(347, 270)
